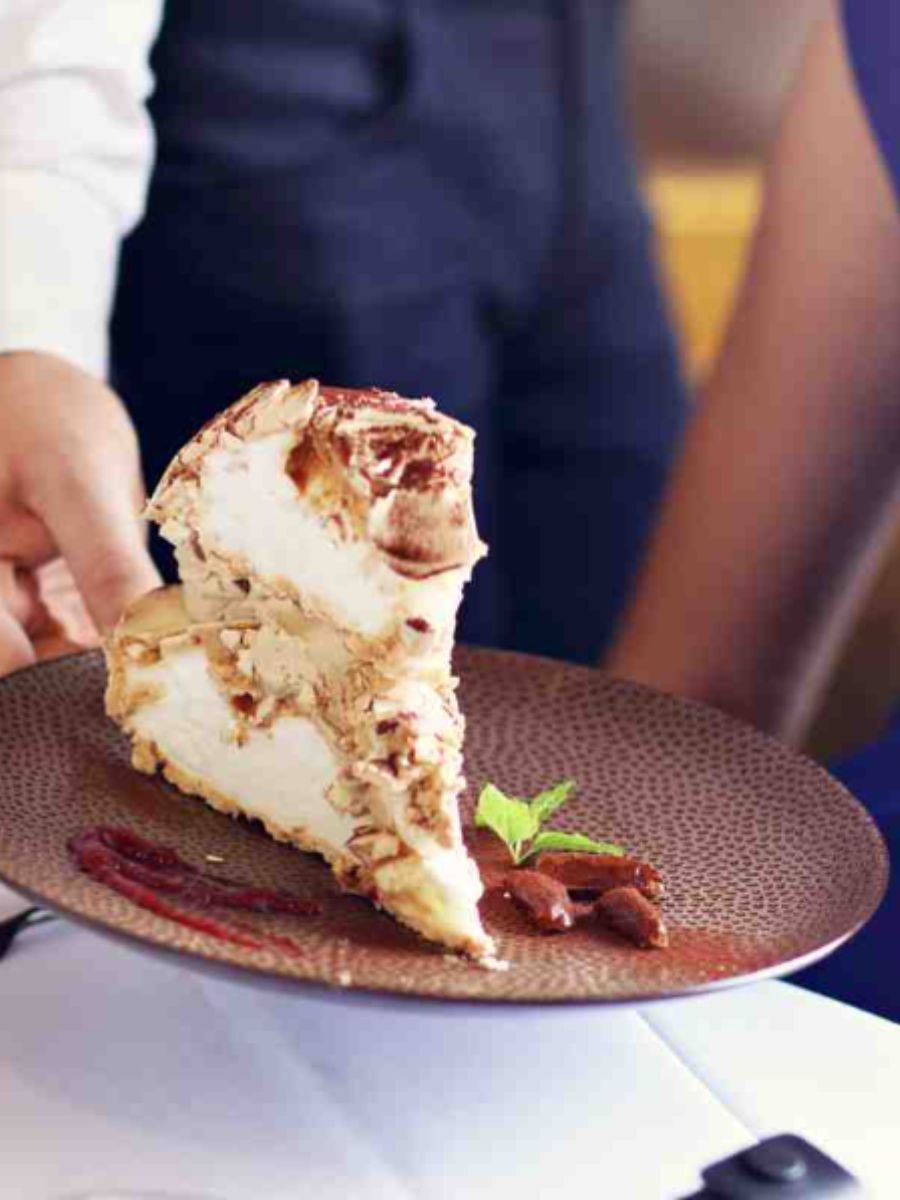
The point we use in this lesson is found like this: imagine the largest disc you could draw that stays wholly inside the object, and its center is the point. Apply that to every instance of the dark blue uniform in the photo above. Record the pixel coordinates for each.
(434, 196)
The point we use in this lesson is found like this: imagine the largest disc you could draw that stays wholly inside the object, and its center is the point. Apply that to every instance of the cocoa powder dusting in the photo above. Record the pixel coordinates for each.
(302, 463)
(418, 474)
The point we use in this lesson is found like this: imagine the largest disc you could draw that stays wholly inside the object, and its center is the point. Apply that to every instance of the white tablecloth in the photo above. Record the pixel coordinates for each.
(122, 1071)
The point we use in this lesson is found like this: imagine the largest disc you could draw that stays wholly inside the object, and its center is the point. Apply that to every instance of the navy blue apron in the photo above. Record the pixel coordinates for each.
(434, 196)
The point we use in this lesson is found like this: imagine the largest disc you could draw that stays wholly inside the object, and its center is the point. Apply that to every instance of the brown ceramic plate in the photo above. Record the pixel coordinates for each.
(770, 863)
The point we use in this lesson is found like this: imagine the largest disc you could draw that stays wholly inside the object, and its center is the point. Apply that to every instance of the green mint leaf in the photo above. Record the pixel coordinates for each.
(558, 839)
(512, 820)
(545, 804)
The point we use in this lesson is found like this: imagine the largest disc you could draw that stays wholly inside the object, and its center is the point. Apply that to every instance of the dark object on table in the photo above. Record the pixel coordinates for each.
(13, 926)
(783, 1166)
(632, 915)
(600, 872)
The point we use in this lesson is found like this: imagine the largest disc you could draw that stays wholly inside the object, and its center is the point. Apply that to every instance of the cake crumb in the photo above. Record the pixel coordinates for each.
(344, 978)
(214, 858)
(489, 963)
(492, 963)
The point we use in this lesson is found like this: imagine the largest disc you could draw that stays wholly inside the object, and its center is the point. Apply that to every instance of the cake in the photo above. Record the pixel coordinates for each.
(300, 673)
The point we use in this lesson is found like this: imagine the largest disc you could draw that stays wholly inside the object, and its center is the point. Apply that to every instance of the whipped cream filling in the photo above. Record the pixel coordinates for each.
(280, 774)
(346, 576)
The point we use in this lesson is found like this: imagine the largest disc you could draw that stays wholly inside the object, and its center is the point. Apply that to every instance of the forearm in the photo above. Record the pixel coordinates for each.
(788, 481)
(771, 532)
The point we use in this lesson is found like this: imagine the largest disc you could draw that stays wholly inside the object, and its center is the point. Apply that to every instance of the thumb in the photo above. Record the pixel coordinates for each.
(15, 647)
(93, 517)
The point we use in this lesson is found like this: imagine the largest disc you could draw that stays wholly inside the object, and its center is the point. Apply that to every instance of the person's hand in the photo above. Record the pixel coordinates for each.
(72, 546)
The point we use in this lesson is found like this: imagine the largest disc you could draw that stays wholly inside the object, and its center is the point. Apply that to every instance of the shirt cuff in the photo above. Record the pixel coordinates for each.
(59, 248)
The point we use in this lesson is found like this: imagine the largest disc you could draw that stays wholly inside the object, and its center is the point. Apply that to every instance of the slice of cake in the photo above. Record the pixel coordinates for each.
(300, 674)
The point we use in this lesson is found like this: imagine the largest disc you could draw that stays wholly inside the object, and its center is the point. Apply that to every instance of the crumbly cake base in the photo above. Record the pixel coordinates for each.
(350, 872)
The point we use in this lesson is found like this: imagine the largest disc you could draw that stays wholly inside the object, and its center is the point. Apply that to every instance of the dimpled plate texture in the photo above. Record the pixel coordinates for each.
(768, 861)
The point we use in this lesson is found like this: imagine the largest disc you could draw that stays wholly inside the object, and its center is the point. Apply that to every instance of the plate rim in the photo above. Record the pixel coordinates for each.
(251, 975)
(203, 961)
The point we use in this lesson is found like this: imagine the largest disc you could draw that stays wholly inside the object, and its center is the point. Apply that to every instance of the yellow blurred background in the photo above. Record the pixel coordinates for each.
(708, 81)
(705, 217)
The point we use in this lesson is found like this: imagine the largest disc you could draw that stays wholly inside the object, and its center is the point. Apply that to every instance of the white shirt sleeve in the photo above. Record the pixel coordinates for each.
(76, 149)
